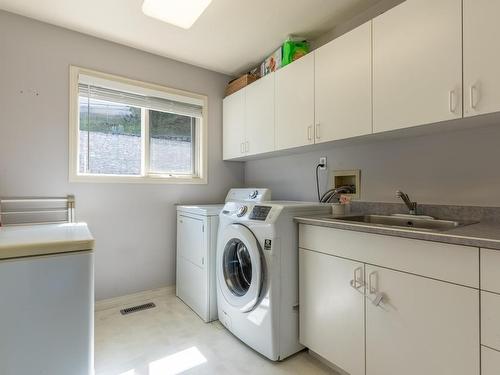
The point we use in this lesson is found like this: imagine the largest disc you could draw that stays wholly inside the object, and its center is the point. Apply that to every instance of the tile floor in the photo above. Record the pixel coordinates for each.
(171, 339)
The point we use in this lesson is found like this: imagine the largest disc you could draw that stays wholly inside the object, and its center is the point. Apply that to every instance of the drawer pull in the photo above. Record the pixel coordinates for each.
(373, 289)
(472, 97)
(358, 281)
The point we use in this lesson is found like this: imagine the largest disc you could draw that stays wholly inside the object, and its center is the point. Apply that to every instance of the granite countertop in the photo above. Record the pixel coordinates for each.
(43, 239)
(482, 234)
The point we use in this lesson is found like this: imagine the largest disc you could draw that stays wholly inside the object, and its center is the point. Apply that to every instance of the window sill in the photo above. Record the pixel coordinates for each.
(113, 179)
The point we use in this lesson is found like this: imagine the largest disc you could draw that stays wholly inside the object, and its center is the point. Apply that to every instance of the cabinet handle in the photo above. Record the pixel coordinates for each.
(358, 281)
(472, 99)
(373, 282)
(318, 136)
(309, 128)
(373, 289)
(452, 101)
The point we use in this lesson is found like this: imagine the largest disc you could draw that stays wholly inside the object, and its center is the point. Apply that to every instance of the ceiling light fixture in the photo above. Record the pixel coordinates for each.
(182, 13)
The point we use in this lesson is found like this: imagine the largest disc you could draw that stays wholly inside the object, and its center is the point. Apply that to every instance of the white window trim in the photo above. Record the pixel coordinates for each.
(201, 135)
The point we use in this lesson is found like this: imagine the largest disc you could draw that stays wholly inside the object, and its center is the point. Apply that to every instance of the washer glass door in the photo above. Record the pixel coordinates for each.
(239, 267)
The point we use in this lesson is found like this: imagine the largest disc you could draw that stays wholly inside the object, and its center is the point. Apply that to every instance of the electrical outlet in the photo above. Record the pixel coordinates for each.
(322, 160)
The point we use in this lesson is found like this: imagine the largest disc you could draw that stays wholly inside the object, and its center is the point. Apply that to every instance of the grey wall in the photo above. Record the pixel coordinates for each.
(452, 167)
(134, 224)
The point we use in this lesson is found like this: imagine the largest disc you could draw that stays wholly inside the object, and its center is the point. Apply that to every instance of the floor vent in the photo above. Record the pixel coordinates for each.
(133, 309)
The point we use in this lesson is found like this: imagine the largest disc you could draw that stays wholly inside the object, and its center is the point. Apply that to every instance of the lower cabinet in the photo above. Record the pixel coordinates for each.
(417, 325)
(332, 318)
(377, 320)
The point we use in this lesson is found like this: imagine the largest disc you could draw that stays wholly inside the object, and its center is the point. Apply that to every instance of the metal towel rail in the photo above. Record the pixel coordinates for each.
(35, 210)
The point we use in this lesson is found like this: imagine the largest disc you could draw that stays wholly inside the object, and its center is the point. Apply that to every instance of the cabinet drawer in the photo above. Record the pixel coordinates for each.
(490, 361)
(453, 263)
(490, 320)
(490, 266)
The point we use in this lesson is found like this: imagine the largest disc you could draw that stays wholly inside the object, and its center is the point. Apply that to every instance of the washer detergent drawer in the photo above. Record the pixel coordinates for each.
(191, 239)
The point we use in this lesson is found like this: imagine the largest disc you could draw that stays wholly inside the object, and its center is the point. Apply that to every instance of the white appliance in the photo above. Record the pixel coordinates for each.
(257, 273)
(196, 247)
(47, 300)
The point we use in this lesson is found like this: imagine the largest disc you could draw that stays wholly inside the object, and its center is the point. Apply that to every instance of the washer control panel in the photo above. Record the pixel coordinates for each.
(259, 213)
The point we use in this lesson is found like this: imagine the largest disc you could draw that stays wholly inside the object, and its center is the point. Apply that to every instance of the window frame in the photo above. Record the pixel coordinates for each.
(200, 161)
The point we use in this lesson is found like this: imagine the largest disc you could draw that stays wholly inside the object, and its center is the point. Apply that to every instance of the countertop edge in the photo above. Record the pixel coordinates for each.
(24, 241)
(449, 238)
(49, 248)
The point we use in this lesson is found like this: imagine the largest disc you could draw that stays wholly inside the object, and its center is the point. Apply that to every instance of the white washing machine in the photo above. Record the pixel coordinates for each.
(257, 273)
(197, 227)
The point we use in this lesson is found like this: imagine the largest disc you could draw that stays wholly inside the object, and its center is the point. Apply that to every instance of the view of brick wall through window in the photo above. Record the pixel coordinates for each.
(110, 140)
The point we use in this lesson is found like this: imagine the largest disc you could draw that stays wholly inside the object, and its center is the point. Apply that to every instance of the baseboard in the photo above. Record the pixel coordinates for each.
(134, 298)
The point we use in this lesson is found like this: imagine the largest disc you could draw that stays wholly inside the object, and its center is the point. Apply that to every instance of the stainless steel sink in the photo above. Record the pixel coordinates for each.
(406, 221)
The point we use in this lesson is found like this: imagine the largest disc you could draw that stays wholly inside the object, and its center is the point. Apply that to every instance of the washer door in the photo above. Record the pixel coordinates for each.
(239, 267)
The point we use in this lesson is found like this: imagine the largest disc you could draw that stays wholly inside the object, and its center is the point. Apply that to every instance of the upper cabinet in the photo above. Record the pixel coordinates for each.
(417, 64)
(248, 120)
(343, 86)
(295, 104)
(421, 62)
(481, 57)
(259, 116)
(233, 126)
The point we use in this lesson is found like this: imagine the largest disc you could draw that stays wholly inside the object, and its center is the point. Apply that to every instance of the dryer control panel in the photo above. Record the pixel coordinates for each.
(259, 213)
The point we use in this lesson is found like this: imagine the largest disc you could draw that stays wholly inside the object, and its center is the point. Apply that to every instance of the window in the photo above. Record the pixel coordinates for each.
(128, 131)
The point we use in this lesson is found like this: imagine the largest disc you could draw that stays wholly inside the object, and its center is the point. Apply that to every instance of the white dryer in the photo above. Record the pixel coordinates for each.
(257, 273)
(197, 227)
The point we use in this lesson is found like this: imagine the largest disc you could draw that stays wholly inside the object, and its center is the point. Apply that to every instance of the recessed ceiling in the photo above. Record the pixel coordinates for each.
(230, 37)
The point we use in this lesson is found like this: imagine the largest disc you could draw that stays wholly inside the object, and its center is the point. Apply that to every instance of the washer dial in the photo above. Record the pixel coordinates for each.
(241, 211)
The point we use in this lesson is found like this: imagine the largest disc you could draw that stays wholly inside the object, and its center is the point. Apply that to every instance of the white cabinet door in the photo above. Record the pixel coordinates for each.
(331, 310)
(47, 315)
(233, 125)
(481, 57)
(191, 271)
(417, 64)
(490, 320)
(490, 361)
(422, 326)
(259, 112)
(295, 104)
(343, 86)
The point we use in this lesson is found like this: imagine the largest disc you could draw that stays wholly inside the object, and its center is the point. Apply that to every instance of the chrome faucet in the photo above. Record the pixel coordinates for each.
(412, 206)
